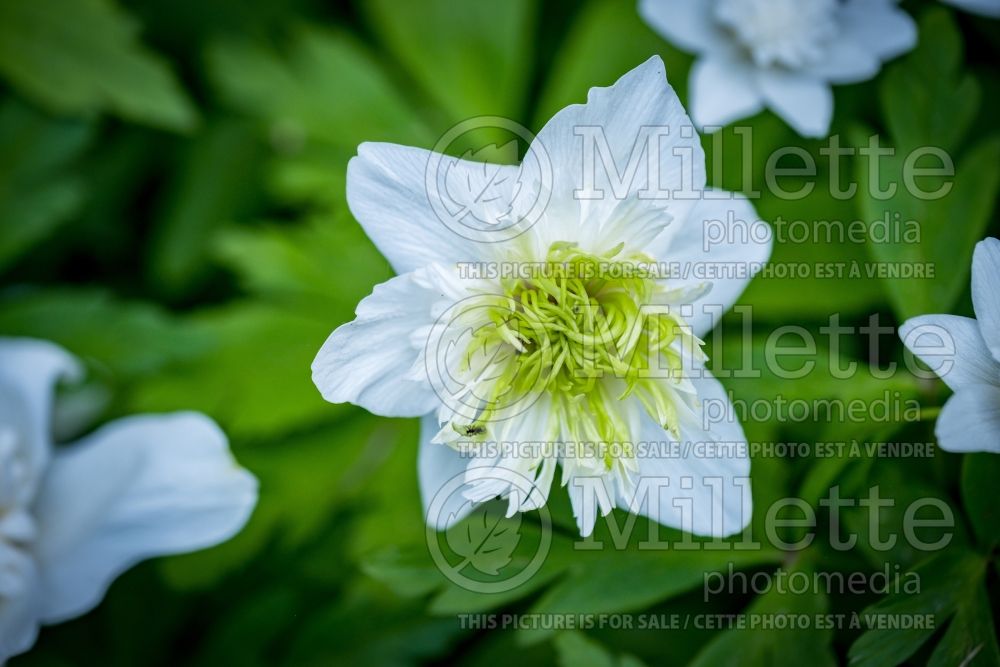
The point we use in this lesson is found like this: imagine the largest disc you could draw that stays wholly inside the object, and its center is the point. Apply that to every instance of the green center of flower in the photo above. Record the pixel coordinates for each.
(587, 330)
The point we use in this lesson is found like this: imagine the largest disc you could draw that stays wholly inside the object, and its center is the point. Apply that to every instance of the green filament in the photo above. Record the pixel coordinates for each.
(580, 325)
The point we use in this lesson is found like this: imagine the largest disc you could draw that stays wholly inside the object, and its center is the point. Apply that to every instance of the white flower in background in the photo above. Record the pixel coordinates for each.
(965, 353)
(529, 357)
(990, 8)
(779, 54)
(73, 518)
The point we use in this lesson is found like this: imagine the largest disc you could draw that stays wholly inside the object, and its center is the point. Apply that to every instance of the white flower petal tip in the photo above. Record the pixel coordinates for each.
(459, 199)
(879, 28)
(987, 8)
(986, 292)
(722, 236)
(368, 361)
(711, 505)
(31, 369)
(28, 360)
(805, 103)
(687, 23)
(970, 421)
(723, 91)
(783, 54)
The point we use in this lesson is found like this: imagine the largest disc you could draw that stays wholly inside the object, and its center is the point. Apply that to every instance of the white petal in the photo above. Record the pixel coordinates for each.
(590, 497)
(19, 615)
(441, 471)
(598, 154)
(139, 487)
(804, 102)
(879, 26)
(22, 458)
(370, 360)
(721, 242)
(970, 421)
(29, 371)
(932, 338)
(986, 292)
(409, 201)
(723, 91)
(515, 465)
(707, 488)
(989, 8)
(687, 23)
(847, 60)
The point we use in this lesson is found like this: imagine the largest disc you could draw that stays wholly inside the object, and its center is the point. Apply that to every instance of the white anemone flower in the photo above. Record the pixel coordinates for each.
(988, 8)
(73, 518)
(542, 343)
(965, 353)
(779, 54)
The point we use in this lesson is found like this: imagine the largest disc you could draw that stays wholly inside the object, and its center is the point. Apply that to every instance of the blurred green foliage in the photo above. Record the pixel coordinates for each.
(172, 211)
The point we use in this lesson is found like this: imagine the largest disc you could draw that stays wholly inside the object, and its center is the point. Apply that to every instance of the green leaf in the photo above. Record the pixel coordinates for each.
(776, 646)
(824, 473)
(326, 87)
(945, 581)
(585, 59)
(406, 570)
(308, 478)
(575, 649)
(126, 339)
(206, 194)
(362, 628)
(926, 97)
(944, 245)
(838, 291)
(743, 365)
(980, 473)
(410, 571)
(610, 581)
(323, 267)
(252, 373)
(244, 635)
(84, 56)
(38, 191)
(905, 493)
(318, 99)
(929, 101)
(971, 639)
(455, 599)
(472, 57)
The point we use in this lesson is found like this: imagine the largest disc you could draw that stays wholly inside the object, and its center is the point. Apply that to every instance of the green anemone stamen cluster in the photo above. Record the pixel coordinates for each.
(587, 330)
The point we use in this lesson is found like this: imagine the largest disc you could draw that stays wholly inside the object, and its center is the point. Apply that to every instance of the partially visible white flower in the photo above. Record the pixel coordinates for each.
(74, 518)
(965, 352)
(779, 54)
(595, 352)
(990, 8)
